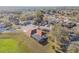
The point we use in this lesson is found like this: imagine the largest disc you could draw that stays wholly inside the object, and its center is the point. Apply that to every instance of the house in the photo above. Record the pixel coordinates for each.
(14, 20)
(73, 36)
(34, 32)
(24, 23)
(46, 28)
(40, 36)
(6, 27)
(69, 24)
(2, 27)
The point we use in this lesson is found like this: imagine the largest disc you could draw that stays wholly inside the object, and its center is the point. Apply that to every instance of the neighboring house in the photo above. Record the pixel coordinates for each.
(14, 20)
(2, 27)
(46, 27)
(6, 28)
(73, 36)
(24, 23)
(69, 24)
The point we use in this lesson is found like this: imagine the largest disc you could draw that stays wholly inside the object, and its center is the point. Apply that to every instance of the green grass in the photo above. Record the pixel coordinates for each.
(11, 45)
(8, 45)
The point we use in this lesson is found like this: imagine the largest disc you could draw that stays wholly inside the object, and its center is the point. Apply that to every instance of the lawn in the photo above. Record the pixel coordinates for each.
(11, 44)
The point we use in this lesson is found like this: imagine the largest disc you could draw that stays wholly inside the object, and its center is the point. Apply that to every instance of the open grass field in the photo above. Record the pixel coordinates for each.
(10, 43)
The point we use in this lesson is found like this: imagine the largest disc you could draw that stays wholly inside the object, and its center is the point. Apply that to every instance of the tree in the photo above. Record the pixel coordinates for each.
(39, 18)
(59, 39)
(73, 47)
